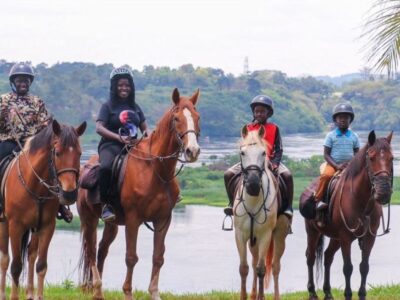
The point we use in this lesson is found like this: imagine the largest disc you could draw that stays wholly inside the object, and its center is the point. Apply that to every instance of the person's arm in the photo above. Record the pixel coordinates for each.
(328, 158)
(277, 150)
(108, 134)
(144, 129)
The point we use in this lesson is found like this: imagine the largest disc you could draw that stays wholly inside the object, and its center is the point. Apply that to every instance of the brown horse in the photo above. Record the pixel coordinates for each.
(43, 176)
(148, 193)
(355, 211)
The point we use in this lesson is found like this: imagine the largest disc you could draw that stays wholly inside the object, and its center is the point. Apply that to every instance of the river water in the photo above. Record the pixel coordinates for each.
(201, 257)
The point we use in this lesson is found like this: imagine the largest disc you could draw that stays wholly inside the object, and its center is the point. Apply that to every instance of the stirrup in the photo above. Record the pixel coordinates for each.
(230, 223)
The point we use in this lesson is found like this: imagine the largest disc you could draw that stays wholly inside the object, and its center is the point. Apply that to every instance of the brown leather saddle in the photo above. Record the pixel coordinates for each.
(4, 169)
(90, 177)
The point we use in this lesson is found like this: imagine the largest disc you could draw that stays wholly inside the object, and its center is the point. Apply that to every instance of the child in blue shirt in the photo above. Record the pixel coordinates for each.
(339, 147)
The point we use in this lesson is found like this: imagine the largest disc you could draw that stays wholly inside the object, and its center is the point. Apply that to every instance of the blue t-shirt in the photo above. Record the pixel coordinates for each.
(342, 145)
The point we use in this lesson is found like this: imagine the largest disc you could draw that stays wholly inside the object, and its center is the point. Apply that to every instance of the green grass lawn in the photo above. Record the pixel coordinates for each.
(68, 291)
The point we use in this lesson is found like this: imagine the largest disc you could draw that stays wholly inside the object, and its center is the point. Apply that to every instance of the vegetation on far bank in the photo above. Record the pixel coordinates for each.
(68, 291)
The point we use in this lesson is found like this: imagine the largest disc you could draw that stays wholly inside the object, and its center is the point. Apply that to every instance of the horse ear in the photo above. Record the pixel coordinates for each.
(245, 131)
(389, 137)
(56, 127)
(176, 96)
(195, 97)
(81, 129)
(261, 131)
(371, 138)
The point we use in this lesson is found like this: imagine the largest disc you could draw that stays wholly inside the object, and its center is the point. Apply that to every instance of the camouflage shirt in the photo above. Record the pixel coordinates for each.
(30, 117)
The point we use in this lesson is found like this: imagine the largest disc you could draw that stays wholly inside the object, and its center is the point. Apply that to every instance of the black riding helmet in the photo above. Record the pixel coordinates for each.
(115, 75)
(263, 100)
(343, 108)
(18, 69)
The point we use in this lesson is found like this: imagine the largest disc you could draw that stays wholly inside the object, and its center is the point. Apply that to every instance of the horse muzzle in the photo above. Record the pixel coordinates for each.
(68, 197)
(383, 189)
(253, 185)
(192, 153)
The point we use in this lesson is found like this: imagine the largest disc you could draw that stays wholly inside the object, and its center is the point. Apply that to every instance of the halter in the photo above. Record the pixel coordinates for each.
(263, 207)
(373, 179)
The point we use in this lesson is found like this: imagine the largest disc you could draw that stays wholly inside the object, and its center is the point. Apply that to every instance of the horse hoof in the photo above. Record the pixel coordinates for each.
(313, 297)
(328, 298)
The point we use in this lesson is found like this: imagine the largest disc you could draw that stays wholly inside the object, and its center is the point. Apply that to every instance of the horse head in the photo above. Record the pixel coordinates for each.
(65, 159)
(185, 122)
(252, 159)
(379, 160)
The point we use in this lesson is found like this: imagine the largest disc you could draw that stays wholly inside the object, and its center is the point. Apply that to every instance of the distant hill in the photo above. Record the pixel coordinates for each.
(74, 92)
(340, 80)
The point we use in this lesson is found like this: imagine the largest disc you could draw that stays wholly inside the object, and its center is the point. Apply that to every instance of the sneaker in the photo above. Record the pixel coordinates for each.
(65, 214)
(228, 211)
(107, 214)
(321, 205)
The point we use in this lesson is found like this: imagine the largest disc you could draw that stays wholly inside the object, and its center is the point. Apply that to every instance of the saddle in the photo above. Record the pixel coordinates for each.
(307, 204)
(4, 169)
(89, 178)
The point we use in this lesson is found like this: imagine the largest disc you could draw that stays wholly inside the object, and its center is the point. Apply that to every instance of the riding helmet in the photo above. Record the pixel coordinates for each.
(263, 100)
(343, 108)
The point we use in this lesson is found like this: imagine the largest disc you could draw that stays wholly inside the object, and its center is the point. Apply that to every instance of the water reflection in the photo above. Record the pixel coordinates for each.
(201, 257)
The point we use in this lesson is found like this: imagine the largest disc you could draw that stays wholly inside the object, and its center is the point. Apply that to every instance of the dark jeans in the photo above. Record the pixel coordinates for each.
(7, 147)
(107, 153)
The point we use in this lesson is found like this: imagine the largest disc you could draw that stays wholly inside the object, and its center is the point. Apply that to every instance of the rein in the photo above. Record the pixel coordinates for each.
(366, 224)
(175, 155)
(263, 207)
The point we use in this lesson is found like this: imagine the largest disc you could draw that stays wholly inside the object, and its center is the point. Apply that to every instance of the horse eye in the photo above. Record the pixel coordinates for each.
(263, 153)
(242, 153)
(57, 154)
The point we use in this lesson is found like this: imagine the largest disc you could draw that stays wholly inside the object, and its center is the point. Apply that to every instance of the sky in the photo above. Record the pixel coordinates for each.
(297, 37)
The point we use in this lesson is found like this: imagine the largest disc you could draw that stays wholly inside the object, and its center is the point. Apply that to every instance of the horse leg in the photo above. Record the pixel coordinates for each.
(347, 268)
(241, 242)
(263, 246)
(254, 253)
(131, 258)
(32, 255)
(368, 243)
(109, 233)
(329, 254)
(160, 232)
(312, 242)
(4, 258)
(16, 234)
(45, 235)
(279, 237)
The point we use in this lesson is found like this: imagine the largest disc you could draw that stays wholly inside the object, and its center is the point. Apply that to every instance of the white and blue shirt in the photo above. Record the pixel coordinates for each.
(342, 144)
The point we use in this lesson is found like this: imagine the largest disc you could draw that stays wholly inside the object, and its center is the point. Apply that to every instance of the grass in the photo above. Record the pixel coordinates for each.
(52, 292)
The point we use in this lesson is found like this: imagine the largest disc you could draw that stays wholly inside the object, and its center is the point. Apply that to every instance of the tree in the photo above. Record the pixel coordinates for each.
(383, 33)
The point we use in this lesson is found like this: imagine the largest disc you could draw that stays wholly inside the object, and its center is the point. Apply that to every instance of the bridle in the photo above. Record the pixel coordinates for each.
(364, 220)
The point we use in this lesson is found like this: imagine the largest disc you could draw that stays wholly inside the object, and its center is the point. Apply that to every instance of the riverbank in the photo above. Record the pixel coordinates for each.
(68, 291)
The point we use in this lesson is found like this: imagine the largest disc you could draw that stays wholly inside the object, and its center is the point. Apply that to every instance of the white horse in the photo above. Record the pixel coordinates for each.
(255, 217)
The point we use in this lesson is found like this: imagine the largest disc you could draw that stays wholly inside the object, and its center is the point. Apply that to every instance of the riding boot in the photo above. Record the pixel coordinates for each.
(228, 176)
(107, 213)
(288, 179)
(65, 214)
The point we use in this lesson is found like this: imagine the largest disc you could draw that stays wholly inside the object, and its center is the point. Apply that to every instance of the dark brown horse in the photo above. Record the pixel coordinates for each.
(355, 212)
(43, 176)
(148, 193)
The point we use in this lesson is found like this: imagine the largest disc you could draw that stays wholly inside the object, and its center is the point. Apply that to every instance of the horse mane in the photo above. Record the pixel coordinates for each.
(43, 140)
(163, 125)
(253, 137)
(357, 163)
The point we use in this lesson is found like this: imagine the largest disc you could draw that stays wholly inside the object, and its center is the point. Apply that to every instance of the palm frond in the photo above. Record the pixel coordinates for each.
(382, 31)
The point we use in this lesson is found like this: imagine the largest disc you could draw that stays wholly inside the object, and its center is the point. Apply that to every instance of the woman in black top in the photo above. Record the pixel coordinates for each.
(109, 125)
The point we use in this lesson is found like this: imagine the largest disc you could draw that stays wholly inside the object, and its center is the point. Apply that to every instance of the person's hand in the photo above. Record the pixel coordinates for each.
(275, 167)
(342, 166)
(125, 139)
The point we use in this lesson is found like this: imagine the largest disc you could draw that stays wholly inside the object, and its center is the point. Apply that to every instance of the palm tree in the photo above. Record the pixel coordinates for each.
(382, 30)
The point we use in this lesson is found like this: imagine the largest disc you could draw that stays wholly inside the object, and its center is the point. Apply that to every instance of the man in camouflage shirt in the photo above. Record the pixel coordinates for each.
(22, 115)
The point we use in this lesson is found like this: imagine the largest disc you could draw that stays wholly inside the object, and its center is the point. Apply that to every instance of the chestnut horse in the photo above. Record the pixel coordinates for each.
(356, 208)
(42, 176)
(148, 193)
(255, 217)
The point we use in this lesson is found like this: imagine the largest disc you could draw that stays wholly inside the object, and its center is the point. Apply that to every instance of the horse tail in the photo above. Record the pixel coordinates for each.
(320, 255)
(24, 247)
(268, 263)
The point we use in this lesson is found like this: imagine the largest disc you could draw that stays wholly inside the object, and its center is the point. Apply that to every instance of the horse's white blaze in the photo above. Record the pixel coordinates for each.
(192, 139)
(71, 149)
